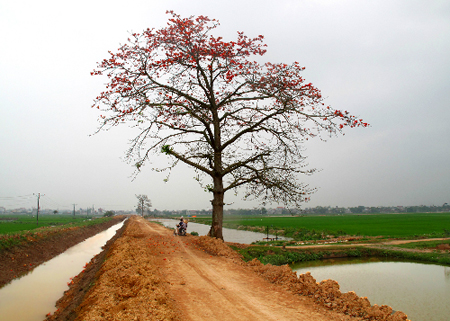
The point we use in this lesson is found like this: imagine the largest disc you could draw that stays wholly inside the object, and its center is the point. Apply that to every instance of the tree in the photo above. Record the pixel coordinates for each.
(109, 214)
(144, 204)
(200, 100)
(358, 210)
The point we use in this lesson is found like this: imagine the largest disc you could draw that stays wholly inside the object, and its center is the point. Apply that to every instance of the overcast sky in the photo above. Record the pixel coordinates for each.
(386, 61)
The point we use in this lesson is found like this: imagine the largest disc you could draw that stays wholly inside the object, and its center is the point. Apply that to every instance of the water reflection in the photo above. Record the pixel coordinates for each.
(419, 290)
(34, 295)
(229, 235)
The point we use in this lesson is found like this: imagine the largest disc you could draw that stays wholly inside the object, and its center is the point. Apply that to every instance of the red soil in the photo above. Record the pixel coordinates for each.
(150, 274)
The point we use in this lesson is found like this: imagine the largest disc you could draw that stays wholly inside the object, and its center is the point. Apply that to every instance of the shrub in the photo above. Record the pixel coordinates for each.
(109, 214)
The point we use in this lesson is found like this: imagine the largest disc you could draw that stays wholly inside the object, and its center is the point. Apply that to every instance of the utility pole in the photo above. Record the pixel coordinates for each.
(74, 210)
(37, 211)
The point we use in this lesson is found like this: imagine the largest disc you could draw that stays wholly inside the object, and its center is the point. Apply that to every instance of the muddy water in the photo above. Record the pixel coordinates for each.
(229, 235)
(34, 295)
(422, 291)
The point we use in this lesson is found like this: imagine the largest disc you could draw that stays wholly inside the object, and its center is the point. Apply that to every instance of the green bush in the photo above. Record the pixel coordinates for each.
(109, 214)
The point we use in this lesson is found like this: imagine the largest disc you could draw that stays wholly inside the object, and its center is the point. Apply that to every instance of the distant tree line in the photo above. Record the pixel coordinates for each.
(313, 210)
(380, 209)
(278, 211)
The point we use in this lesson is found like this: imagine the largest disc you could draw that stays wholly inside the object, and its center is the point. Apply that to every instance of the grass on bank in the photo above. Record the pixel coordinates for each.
(280, 256)
(423, 245)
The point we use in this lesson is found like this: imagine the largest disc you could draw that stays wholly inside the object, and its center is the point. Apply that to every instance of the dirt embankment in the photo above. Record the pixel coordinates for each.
(149, 274)
(81, 283)
(43, 245)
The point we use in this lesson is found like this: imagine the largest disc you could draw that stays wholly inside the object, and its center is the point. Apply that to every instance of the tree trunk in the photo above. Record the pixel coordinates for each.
(217, 214)
(218, 192)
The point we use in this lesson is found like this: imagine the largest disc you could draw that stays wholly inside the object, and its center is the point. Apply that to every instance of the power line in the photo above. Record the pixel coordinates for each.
(17, 201)
(50, 203)
(4, 198)
(28, 201)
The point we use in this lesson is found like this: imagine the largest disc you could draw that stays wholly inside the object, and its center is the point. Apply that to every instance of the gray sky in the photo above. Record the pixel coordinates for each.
(386, 61)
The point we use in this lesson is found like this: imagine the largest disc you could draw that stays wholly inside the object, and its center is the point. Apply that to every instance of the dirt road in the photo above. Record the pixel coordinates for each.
(207, 287)
(150, 274)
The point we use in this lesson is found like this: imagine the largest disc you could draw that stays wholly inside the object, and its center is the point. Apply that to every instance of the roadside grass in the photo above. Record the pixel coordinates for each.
(279, 256)
(423, 245)
(434, 258)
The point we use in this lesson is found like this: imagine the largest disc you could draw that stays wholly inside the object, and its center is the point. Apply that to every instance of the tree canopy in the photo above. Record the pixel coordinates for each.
(201, 100)
(109, 214)
(144, 204)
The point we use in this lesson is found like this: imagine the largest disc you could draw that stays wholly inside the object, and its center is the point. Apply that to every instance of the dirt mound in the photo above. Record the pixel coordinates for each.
(443, 247)
(216, 247)
(326, 293)
(129, 285)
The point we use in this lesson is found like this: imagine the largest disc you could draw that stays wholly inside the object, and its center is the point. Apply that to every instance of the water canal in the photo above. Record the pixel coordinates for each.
(34, 295)
(229, 235)
(422, 291)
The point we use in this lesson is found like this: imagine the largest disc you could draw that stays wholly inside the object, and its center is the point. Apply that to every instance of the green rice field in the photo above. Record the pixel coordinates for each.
(17, 223)
(388, 225)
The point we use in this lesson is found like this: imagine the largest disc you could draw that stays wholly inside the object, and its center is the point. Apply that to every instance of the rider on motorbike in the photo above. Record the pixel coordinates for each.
(181, 227)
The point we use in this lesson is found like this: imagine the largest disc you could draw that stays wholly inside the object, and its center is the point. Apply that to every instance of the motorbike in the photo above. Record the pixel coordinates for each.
(181, 231)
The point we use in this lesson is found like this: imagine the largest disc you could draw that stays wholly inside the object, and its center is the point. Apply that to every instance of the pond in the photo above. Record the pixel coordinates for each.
(422, 291)
(229, 235)
(34, 295)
